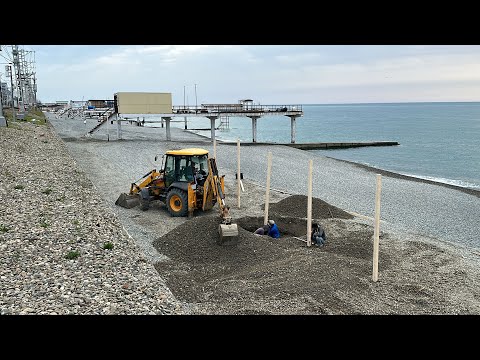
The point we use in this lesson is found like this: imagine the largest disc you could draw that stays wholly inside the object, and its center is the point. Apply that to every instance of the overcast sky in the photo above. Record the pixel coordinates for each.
(268, 74)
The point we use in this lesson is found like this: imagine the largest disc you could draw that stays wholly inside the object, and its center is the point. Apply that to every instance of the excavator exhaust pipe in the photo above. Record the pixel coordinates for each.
(128, 201)
(228, 234)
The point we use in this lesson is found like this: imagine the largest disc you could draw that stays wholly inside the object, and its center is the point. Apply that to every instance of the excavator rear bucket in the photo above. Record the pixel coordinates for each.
(228, 234)
(128, 201)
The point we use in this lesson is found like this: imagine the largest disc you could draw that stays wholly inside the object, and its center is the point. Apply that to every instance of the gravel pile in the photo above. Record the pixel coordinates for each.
(296, 206)
(62, 251)
(262, 275)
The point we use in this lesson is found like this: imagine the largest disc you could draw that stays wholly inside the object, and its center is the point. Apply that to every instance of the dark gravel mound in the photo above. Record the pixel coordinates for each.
(262, 275)
(194, 242)
(296, 206)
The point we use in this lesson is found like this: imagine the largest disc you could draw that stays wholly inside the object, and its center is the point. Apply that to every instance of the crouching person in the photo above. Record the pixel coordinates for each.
(273, 232)
(318, 235)
(263, 230)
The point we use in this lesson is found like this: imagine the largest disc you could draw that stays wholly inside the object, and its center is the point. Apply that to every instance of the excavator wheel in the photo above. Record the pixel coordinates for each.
(177, 202)
(144, 204)
(144, 200)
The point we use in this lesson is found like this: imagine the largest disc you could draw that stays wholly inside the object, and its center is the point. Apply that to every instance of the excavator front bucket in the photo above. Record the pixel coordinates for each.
(128, 201)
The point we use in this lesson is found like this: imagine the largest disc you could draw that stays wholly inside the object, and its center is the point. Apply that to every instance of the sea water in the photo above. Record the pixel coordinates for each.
(438, 141)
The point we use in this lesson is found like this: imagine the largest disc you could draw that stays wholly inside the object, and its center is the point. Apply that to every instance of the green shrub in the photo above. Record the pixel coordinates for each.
(19, 187)
(4, 228)
(47, 191)
(44, 224)
(108, 246)
(72, 255)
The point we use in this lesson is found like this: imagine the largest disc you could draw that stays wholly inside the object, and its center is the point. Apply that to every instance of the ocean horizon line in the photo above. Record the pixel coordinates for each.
(357, 103)
(395, 103)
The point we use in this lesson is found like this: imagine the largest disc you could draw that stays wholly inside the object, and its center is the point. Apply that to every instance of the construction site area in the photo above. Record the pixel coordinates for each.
(255, 274)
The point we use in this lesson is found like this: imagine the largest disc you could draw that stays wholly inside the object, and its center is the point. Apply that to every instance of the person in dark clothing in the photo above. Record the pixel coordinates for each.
(273, 232)
(263, 230)
(318, 235)
(199, 175)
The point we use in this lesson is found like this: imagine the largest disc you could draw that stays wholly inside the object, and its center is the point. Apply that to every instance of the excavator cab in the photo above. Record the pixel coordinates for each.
(185, 168)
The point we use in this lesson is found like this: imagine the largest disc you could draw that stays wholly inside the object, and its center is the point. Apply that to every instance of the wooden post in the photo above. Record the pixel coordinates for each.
(376, 231)
(309, 204)
(238, 171)
(215, 149)
(267, 194)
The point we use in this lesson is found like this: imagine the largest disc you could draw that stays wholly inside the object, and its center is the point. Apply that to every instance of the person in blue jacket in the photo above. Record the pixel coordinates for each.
(273, 232)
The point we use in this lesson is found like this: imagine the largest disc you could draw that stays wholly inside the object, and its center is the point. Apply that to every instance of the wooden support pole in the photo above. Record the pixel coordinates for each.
(309, 204)
(238, 171)
(293, 128)
(167, 128)
(119, 129)
(212, 127)
(267, 194)
(215, 149)
(376, 231)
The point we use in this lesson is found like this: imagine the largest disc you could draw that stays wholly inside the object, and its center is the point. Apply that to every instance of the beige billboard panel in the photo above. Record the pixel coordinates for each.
(144, 103)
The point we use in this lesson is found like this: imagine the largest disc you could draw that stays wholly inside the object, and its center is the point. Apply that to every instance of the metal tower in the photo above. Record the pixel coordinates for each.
(25, 80)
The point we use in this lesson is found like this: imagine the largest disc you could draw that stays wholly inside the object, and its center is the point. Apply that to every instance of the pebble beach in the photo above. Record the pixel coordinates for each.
(62, 251)
(66, 249)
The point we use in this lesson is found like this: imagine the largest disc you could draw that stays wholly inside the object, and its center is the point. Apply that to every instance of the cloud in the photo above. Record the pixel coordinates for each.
(226, 73)
(163, 53)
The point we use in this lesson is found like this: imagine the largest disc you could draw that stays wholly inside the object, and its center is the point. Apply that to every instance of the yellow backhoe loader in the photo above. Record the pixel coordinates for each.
(188, 180)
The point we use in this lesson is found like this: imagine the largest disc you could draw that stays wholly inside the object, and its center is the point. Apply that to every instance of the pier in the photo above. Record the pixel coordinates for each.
(160, 104)
(216, 111)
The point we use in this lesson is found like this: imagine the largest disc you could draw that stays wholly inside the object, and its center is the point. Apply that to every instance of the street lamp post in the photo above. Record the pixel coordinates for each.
(196, 98)
(184, 118)
(11, 88)
(2, 118)
(184, 98)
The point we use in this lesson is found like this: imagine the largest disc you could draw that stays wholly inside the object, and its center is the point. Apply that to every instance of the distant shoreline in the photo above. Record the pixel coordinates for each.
(411, 178)
(372, 169)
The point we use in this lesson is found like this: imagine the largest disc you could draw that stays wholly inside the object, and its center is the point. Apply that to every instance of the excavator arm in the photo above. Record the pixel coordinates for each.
(144, 181)
(216, 189)
(132, 199)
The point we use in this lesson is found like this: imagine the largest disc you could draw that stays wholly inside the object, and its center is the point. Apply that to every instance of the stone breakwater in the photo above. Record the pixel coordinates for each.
(62, 251)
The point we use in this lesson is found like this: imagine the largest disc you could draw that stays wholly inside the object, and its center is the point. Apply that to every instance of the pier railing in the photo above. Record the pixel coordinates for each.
(236, 108)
